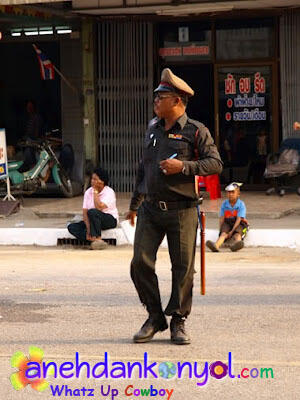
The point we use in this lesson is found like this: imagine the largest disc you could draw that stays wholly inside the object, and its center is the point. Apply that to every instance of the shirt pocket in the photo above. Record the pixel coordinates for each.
(180, 147)
(150, 149)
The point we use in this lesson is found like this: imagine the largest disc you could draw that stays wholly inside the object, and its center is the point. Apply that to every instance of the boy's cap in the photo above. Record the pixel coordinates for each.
(172, 83)
(233, 186)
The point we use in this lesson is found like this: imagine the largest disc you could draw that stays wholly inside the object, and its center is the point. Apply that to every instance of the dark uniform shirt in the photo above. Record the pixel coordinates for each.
(192, 143)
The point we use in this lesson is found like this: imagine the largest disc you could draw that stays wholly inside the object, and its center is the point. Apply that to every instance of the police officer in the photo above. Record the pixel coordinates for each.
(176, 148)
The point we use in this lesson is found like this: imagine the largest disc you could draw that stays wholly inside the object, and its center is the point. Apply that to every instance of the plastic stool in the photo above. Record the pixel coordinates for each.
(211, 184)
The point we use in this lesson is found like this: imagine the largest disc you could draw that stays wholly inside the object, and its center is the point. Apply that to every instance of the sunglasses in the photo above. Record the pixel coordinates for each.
(158, 96)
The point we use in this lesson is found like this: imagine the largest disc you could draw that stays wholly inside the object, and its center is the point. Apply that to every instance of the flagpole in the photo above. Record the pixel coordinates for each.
(66, 80)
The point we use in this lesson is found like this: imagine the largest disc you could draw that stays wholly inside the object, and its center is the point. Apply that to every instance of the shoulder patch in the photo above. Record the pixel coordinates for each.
(152, 122)
(198, 124)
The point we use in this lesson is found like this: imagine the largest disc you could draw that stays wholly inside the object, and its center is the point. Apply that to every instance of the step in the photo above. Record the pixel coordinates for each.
(255, 237)
(125, 236)
(49, 236)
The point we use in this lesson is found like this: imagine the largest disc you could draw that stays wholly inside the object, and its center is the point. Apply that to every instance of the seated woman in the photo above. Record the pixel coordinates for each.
(99, 211)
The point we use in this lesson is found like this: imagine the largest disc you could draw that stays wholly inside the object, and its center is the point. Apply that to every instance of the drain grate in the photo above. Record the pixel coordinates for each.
(81, 243)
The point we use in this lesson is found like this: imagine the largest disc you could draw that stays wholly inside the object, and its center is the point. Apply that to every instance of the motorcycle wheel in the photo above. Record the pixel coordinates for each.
(66, 186)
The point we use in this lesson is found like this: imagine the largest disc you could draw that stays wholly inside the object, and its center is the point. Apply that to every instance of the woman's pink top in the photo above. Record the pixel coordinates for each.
(106, 196)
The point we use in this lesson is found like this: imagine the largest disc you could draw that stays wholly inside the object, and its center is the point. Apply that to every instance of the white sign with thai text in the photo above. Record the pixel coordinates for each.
(3, 155)
(183, 34)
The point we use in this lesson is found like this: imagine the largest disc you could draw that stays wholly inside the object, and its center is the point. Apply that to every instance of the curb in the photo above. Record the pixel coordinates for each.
(124, 236)
(49, 236)
(255, 237)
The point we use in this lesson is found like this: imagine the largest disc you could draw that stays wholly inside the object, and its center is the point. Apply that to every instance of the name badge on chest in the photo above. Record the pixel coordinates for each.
(175, 136)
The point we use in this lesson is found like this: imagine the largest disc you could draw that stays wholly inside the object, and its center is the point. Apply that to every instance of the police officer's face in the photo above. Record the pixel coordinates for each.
(164, 102)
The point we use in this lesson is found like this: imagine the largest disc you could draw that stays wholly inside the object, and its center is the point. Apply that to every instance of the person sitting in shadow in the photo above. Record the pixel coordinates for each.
(33, 130)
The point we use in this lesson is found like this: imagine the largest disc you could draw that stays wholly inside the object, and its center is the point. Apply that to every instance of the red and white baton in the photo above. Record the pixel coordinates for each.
(201, 219)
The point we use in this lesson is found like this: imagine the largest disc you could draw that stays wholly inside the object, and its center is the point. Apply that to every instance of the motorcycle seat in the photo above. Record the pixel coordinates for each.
(14, 165)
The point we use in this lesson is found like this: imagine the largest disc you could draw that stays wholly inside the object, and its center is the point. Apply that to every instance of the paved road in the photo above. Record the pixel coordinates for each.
(66, 301)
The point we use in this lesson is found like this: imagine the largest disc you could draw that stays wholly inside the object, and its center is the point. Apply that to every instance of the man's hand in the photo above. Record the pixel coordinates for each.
(229, 234)
(296, 126)
(171, 167)
(131, 216)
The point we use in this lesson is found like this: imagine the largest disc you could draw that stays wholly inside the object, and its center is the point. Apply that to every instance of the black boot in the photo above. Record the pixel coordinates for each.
(178, 333)
(151, 326)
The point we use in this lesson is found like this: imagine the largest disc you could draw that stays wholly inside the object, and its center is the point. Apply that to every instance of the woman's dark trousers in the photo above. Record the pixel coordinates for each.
(98, 221)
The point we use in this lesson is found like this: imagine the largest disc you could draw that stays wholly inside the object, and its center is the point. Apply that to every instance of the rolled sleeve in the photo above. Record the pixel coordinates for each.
(139, 190)
(209, 162)
(242, 210)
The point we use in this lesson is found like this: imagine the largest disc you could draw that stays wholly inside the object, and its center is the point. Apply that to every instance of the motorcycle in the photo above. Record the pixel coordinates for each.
(36, 178)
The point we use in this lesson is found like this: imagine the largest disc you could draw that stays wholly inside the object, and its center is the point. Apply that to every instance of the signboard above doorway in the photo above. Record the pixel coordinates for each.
(190, 42)
(183, 51)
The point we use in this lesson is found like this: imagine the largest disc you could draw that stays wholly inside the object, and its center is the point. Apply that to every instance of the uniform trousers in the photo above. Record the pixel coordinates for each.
(98, 222)
(180, 227)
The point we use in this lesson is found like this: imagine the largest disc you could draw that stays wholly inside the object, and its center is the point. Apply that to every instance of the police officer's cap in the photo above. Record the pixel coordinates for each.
(172, 83)
(233, 186)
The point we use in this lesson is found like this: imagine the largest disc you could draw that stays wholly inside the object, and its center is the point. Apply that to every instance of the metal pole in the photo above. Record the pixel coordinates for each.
(201, 219)
(202, 233)
(66, 80)
(9, 196)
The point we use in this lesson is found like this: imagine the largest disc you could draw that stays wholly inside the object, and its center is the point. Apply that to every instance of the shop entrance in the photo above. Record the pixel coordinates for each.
(200, 78)
(21, 82)
(56, 106)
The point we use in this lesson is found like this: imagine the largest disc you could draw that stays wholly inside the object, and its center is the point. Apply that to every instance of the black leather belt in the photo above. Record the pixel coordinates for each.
(172, 205)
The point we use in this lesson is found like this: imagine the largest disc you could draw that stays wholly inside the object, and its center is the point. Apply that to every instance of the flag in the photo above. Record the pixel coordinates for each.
(46, 66)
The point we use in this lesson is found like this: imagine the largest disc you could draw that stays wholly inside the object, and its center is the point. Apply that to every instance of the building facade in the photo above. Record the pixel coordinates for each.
(241, 58)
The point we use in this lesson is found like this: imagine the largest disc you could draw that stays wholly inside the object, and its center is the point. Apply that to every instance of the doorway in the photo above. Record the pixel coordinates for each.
(201, 105)
(20, 82)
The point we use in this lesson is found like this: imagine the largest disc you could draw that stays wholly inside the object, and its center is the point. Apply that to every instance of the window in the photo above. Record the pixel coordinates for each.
(245, 120)
(237, 40)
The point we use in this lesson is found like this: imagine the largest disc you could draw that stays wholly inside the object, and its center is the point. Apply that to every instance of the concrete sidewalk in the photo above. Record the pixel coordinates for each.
(274, 220)
(262, 211)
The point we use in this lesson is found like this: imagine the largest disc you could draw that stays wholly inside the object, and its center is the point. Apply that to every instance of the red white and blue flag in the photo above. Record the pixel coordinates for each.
(46, 66)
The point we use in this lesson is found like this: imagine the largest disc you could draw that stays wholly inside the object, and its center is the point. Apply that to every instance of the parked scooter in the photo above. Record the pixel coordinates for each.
(37, 177)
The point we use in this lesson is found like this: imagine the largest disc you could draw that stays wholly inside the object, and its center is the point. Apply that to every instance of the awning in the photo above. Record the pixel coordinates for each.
(169, 7)
(19, 2)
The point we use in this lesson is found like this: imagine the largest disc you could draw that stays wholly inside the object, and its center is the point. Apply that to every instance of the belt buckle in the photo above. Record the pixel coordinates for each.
(163, 205)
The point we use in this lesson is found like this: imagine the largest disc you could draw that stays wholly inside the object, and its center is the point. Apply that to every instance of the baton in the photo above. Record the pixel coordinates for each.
(201, 219)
